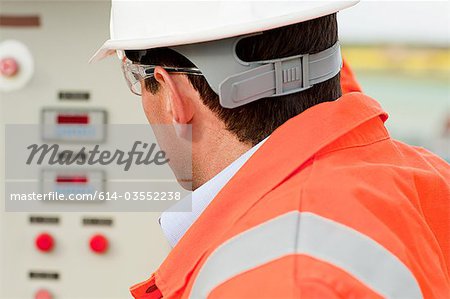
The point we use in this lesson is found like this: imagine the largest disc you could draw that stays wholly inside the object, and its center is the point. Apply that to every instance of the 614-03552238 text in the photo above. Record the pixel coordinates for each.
(98, 196)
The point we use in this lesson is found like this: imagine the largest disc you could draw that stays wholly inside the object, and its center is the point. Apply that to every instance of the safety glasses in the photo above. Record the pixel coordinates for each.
(135, 73)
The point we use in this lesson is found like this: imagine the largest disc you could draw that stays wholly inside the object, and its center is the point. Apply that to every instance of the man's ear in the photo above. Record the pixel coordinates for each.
(178, 90)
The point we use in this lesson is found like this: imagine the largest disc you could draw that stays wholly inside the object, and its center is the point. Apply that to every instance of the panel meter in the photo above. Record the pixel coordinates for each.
(63, 125)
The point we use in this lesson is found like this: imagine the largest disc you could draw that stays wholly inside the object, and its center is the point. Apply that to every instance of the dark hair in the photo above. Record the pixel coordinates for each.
(254, 121)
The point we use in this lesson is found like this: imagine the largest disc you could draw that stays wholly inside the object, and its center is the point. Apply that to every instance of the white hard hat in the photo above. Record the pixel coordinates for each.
(146, 24)
(207, 32)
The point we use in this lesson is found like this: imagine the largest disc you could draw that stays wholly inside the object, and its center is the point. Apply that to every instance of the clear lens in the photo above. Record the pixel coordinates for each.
(135, 83)
(132, 76)
(136, 73)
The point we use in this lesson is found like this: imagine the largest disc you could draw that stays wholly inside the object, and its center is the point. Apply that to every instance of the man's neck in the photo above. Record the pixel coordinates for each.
(213, 155)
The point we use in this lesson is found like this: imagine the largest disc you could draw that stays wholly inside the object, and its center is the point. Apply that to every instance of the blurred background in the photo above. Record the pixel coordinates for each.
(398, 50)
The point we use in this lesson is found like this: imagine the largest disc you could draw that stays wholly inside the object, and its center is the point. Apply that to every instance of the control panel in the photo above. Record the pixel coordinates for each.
(46, 79)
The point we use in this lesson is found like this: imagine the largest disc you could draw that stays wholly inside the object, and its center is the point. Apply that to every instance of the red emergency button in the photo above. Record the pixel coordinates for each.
(8, 67)
(43, 294)
(99, 243)
(45, 242)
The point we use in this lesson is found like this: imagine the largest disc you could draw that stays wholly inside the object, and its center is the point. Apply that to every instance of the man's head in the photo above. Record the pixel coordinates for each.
(190, 95)
(231, 43)
(220, 135)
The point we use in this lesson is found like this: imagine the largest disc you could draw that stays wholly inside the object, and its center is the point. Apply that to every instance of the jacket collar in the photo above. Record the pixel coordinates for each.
(300, 138)
(175, 225)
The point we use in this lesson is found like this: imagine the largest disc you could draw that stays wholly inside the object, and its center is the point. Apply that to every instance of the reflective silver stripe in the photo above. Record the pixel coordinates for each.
(315, 236)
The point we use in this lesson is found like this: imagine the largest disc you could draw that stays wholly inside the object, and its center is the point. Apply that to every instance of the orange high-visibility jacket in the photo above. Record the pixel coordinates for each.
(330, 206)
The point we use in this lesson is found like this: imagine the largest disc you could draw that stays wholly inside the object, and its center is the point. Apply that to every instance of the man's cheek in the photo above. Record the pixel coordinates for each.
(149, 110)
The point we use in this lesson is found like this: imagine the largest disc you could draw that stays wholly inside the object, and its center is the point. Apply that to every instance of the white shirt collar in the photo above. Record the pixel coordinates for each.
(175, 224)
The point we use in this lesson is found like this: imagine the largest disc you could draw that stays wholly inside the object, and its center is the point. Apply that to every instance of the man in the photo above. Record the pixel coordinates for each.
(299, 190)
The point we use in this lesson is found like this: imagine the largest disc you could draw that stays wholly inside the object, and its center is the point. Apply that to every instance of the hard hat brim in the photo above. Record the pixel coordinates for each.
(323, 8)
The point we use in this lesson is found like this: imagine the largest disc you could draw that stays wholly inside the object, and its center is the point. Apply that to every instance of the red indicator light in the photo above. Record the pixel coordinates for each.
(44, 242)
(99, 244)
(72, 119)
(43, 294)
(9, 67)
(72, 179)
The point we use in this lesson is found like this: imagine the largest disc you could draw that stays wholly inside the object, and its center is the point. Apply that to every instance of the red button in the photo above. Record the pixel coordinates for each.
(8, 67)
(43, 294)
(45, 242)
(99, 244)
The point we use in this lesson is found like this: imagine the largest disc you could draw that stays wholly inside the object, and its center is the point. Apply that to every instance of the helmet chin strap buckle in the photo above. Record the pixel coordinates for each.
(277, 77)
(239, 82)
